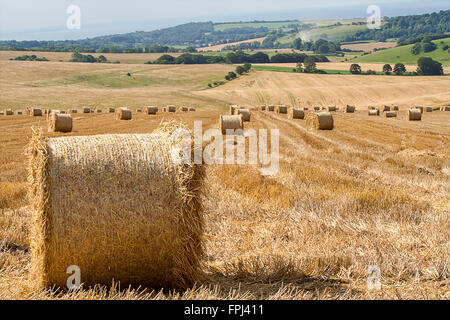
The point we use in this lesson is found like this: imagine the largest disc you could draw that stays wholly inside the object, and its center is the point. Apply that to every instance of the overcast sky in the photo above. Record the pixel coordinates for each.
(46, 19)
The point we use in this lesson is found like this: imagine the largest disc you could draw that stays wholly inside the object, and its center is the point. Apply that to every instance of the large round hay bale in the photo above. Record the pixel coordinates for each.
(420, 108)
(86, 110)
(262, 108)
(271, 108)
(116, 206)
(60, 122)
(123, 114)
(349, 109)
(414, 115)
(282, 109)
(170, 109)
(446, 108)
(233, 122)
(138, 110)
(386, 108)
(9, 112)
(395, 108)
(192, 109)
(374, 112)
(245, 114)
(36, 112)
(111, 110)
(331, 108)
(151, 110)
(320, 121)
(296, 113)
(429, 109)
(316, 108)
(183, 109)
(72, 111)
(2, 113)
(390, 114)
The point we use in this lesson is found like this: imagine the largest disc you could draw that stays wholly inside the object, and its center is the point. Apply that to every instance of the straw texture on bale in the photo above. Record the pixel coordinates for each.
(282, 109)
(86, 110)
(60, 122)
(36, 112)
(446, 108)
(116, 206)
(429, 109)
(374, 112)
(192, 109)
(386, 108)
(350, 109)
(262, 108)
(414, 115)
(296, 113)
(332, 108)
(151, 110)
(420, 108)
(320, 121)
(245, 114)
(390, 114)
(9, 112)
(271, 108)
(396, 108)
(170, 109)
(138, 110)
(234, 122)
(123, 114)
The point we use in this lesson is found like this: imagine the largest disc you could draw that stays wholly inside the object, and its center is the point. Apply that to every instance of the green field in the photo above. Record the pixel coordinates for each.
(331, 32)
(403, 54)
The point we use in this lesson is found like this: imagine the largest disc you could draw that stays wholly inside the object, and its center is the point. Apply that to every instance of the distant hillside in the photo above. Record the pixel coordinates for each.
(404, 55)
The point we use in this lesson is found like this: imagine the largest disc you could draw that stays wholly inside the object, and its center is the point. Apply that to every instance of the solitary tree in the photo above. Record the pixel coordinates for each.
(355, 69)
(297, 44)
(299, 67)
(240, 70)
(310, 65)
(429, 67)
(387, 69)
(399, 69)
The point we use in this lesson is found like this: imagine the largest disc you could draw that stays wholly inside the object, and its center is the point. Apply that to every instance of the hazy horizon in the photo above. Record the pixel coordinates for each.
(46, 20)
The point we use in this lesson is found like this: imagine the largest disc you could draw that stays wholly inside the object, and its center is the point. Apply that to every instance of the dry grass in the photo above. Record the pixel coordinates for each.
(373, 191)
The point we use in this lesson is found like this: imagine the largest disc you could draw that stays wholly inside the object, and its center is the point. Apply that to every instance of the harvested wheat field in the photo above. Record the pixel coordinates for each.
(371, 192)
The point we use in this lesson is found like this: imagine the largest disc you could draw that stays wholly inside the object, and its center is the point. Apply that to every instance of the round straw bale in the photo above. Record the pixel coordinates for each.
(151, 110)
(86, 110)
(19, 112)
(446, 108)
(171, 109)
(371, 108)
(9, 112)
(139, 110)
(296, 113)
(116, 206)
(429, 109)
(36, 112)
(374, 112)
(390, 114)
(282, 109)
(192, 109)
(63, 112)
(123, 114)
(332, 108)
(184, 109)
(305, 109)
(395, 108)
(1, 113)
(320, 121)
(72, 111)
(262, 108)
(414, 115)
(386, 108)
(99, 110)
(245, 114)
(233, 122)
(271, 108)
(60, 122)
(111, 110)
(420, 108)
(349, 109)
(316, 108)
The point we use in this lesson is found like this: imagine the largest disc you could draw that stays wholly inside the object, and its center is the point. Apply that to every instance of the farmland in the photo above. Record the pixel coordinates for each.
(373, 191)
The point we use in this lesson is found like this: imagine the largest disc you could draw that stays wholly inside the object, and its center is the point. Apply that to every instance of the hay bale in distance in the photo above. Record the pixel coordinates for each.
(316, 108)
(36, 112)
(386, 108)
(86, 110)
(111, 110)
(446, 108)
(320, 121)
(183, 109)
(420, 108)
(233, 122)
(331, 109)
(395, 108)
(170, 109)
(414, 115)
(151, 110)
(1, 113)
(72, 111)
(429, 109)
(262, 108)
(349, 109)
(138, 110)
(282, 109)
(9, 112)
(123, 114)
(245, 114)
(374, 112)
(134, 218)
(305, 108)
(390, 114)
(19, 112)
(271, 108)
(99, 111)
(60, 122)
(295, 113)
(192, 109)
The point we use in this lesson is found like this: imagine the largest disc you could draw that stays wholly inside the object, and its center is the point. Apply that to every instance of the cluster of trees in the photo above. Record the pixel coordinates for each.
(424, 46)
(240, 70)
(320, 46)
(78, 57)
(29, 58)
(308, 66)
(237, 57)
(405, 27)
(425, 67)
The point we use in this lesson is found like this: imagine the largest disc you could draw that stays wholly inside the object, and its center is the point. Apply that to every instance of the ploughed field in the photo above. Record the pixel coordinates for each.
(374, 191)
